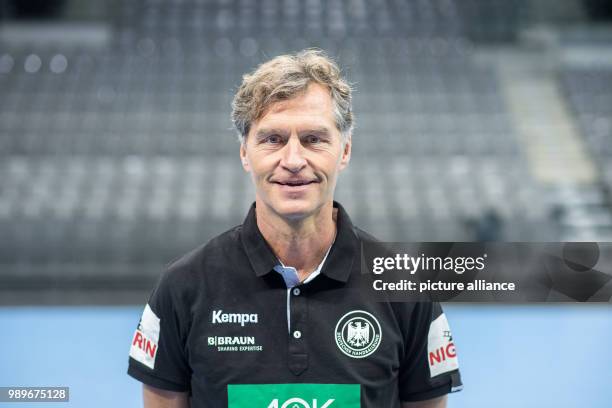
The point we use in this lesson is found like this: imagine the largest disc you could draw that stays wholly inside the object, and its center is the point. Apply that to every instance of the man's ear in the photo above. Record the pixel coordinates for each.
(346, 152)
(243, 157)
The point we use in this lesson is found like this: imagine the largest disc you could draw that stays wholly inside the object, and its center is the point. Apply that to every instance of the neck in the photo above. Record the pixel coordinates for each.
(300, 243)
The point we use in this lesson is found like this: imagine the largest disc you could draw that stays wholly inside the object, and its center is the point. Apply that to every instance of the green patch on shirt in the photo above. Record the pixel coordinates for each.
(293, 396)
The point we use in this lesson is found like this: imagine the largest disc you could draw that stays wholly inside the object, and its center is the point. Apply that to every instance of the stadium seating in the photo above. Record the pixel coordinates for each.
(125, 155)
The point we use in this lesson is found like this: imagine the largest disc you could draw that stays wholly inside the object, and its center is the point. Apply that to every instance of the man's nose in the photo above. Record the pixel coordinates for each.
(293, 155)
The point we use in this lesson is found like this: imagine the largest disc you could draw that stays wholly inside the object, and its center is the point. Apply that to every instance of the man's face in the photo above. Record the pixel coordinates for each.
(294, 153)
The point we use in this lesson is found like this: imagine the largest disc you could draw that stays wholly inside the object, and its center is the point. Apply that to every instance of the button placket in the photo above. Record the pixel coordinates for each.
(298, 354)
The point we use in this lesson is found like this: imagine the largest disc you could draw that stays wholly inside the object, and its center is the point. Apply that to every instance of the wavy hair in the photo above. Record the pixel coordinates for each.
(284, 77)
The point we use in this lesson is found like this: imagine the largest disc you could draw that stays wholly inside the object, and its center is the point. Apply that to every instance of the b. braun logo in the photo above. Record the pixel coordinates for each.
(300, 403)
(358, 334)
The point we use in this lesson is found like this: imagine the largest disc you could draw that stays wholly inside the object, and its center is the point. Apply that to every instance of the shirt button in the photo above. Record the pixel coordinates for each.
(297, 334)
(296, 292)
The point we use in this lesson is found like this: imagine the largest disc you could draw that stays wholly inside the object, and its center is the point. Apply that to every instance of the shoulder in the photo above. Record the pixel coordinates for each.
(371, 244)
(224, 243)
(424, 309)
(184, 272)
(364, 235)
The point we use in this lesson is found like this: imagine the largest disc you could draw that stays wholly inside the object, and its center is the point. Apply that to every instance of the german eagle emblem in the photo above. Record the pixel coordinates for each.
(358, 334)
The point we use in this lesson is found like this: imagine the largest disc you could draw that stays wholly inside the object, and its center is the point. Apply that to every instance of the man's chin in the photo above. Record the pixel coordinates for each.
(295, 210)
(296, 214)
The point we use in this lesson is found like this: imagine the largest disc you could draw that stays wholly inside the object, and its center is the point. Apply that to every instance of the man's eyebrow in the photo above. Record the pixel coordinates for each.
(321, 130)
(266, 132)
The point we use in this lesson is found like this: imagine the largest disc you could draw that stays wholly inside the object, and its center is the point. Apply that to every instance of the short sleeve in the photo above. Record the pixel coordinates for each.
(157, 352)
(430, 367)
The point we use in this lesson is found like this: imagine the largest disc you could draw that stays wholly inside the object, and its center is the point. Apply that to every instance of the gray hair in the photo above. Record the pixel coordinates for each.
(283, 78)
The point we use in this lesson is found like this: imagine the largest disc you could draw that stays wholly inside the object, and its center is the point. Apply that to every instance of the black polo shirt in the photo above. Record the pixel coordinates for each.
(217, 326)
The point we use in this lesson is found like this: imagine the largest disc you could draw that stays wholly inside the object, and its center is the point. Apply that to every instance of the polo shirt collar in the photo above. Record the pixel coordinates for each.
(340, 259)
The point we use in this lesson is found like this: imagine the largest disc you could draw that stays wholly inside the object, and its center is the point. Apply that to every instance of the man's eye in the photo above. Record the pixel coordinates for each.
(313, 139)
(273, 139)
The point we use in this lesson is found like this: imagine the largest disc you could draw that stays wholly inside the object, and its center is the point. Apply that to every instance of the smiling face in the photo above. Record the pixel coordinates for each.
(294, 153)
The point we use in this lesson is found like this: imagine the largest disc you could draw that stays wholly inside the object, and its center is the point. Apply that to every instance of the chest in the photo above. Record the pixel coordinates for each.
(285, 336)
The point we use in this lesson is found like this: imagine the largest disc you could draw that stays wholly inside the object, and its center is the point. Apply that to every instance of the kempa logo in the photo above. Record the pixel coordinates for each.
(219, 317)
(358, 334)
(300, 403)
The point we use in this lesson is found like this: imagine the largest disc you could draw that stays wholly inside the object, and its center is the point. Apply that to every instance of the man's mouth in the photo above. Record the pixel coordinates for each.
(294, 183)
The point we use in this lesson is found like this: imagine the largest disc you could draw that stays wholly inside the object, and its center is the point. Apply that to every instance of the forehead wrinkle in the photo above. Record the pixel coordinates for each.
(300, 110)
(313, 96)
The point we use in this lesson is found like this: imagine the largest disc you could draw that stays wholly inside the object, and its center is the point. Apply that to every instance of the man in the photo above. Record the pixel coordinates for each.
(269, 314)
